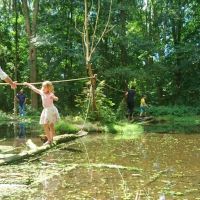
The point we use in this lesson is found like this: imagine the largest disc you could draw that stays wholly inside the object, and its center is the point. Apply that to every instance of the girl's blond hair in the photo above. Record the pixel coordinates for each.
(49, 85)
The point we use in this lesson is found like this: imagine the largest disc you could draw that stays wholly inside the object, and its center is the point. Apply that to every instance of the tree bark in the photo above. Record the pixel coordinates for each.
(31, 32)
(16, 51)
(90, 43)
(93, 86)
(88, 57)
(177, 24)
(124, 54)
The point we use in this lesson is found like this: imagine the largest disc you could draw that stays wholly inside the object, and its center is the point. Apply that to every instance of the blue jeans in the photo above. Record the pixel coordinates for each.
(22, 110)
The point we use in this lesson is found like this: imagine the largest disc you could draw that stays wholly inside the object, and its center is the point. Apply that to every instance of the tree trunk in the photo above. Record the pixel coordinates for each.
(31, 32)
(33, 74)
(177, 24)
(88, 57)
(93, 86)
(16, 51)
(124, 55)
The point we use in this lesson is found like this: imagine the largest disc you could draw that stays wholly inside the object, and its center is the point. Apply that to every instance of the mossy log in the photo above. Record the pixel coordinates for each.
(149, 119)
(34, 149)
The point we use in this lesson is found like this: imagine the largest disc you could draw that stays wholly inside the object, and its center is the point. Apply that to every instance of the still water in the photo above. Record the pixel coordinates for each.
(105, 166)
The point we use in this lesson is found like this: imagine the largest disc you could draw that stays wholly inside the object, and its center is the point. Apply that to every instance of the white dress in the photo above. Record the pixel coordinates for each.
(50, 112)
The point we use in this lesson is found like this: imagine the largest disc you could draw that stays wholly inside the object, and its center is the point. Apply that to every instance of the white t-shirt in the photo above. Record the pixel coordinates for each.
(3, 75)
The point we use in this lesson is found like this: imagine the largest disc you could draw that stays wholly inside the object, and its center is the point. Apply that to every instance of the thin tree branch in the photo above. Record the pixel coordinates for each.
(104, 31)
(83, 44)
(77, 28)
(110, 29)
(96, 23)
(86, 35)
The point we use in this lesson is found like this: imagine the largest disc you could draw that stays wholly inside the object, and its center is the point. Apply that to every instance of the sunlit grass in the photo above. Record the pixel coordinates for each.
(125, 130)
(63, 126)
(185, 120)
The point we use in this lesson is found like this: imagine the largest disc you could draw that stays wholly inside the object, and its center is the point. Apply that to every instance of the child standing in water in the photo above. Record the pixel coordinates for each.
(49, 115)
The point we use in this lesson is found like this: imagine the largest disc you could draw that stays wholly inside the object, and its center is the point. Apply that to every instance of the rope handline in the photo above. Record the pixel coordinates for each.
(112, 87)
(86, 116)
(88, 107)
(67, 80)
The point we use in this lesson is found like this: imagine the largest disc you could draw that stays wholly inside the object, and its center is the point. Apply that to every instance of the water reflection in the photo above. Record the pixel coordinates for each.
(16, 134)
(22, 130)
(20, 139)
(168, 168)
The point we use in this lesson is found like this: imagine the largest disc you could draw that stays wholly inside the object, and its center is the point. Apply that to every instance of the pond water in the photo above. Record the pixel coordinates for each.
(16, 134)
(106, 166)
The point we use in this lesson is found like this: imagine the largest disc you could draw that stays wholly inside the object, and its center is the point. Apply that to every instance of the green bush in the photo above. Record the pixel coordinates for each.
(121, 110)
(173, 110)
(104, 105)
(31, 111)
(109, 128)
(63, 127)
(3, 116)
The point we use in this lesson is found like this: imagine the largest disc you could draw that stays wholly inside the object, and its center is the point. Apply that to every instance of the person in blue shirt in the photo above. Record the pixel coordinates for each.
(21, 98)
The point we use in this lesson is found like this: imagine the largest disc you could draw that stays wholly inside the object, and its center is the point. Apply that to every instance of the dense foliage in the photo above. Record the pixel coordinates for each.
(151, 43)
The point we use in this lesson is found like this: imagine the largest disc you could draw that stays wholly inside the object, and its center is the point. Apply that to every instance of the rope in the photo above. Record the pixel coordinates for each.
(38, 83)
(88, 107)
(82, 142)
(69, 80)
(112, 87)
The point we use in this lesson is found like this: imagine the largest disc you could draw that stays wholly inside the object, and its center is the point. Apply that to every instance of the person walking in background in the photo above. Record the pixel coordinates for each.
(143, 106)
(49, 115)
(7, 79)
(21, 98)
(130, 100)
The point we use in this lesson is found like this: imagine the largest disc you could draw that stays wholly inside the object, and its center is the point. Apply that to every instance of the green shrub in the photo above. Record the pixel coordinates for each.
(109, 128)
(31, 111)
(63, 127)
(104, 105)
(173, 110)
(3, 116)
(121, 110)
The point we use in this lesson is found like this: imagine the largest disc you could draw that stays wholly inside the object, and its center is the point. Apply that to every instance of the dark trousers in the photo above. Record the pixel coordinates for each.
(130, 106)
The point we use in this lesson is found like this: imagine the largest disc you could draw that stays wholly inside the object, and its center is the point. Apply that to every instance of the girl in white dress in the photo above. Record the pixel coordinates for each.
(49, 115)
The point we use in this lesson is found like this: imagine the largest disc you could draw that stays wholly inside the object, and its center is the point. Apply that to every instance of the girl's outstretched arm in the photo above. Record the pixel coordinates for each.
(32, 87)
(55, 98)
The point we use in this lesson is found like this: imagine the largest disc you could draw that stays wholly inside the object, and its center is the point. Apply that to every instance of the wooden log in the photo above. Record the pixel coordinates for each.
(6, 149)
(34, 149)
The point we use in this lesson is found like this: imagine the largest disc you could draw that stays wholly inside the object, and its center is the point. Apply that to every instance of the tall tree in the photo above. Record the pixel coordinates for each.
(91, 40)
(16, 48)
(31, 33)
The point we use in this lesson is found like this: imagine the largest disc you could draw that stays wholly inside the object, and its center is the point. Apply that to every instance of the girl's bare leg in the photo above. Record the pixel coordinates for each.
(52, 131)
(47, 131)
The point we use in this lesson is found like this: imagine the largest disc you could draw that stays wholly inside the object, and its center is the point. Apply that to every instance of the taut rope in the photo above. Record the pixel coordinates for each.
(68, 80)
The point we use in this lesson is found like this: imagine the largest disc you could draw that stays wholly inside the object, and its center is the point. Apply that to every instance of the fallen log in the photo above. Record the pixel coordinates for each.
(34, 149)
(6, 149)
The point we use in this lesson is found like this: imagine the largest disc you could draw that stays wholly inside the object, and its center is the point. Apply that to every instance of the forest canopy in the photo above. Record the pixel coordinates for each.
(153, 44)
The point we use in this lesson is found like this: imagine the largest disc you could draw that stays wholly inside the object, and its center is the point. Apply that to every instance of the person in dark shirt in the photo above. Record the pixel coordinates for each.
(130, 96)
(21, 98)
